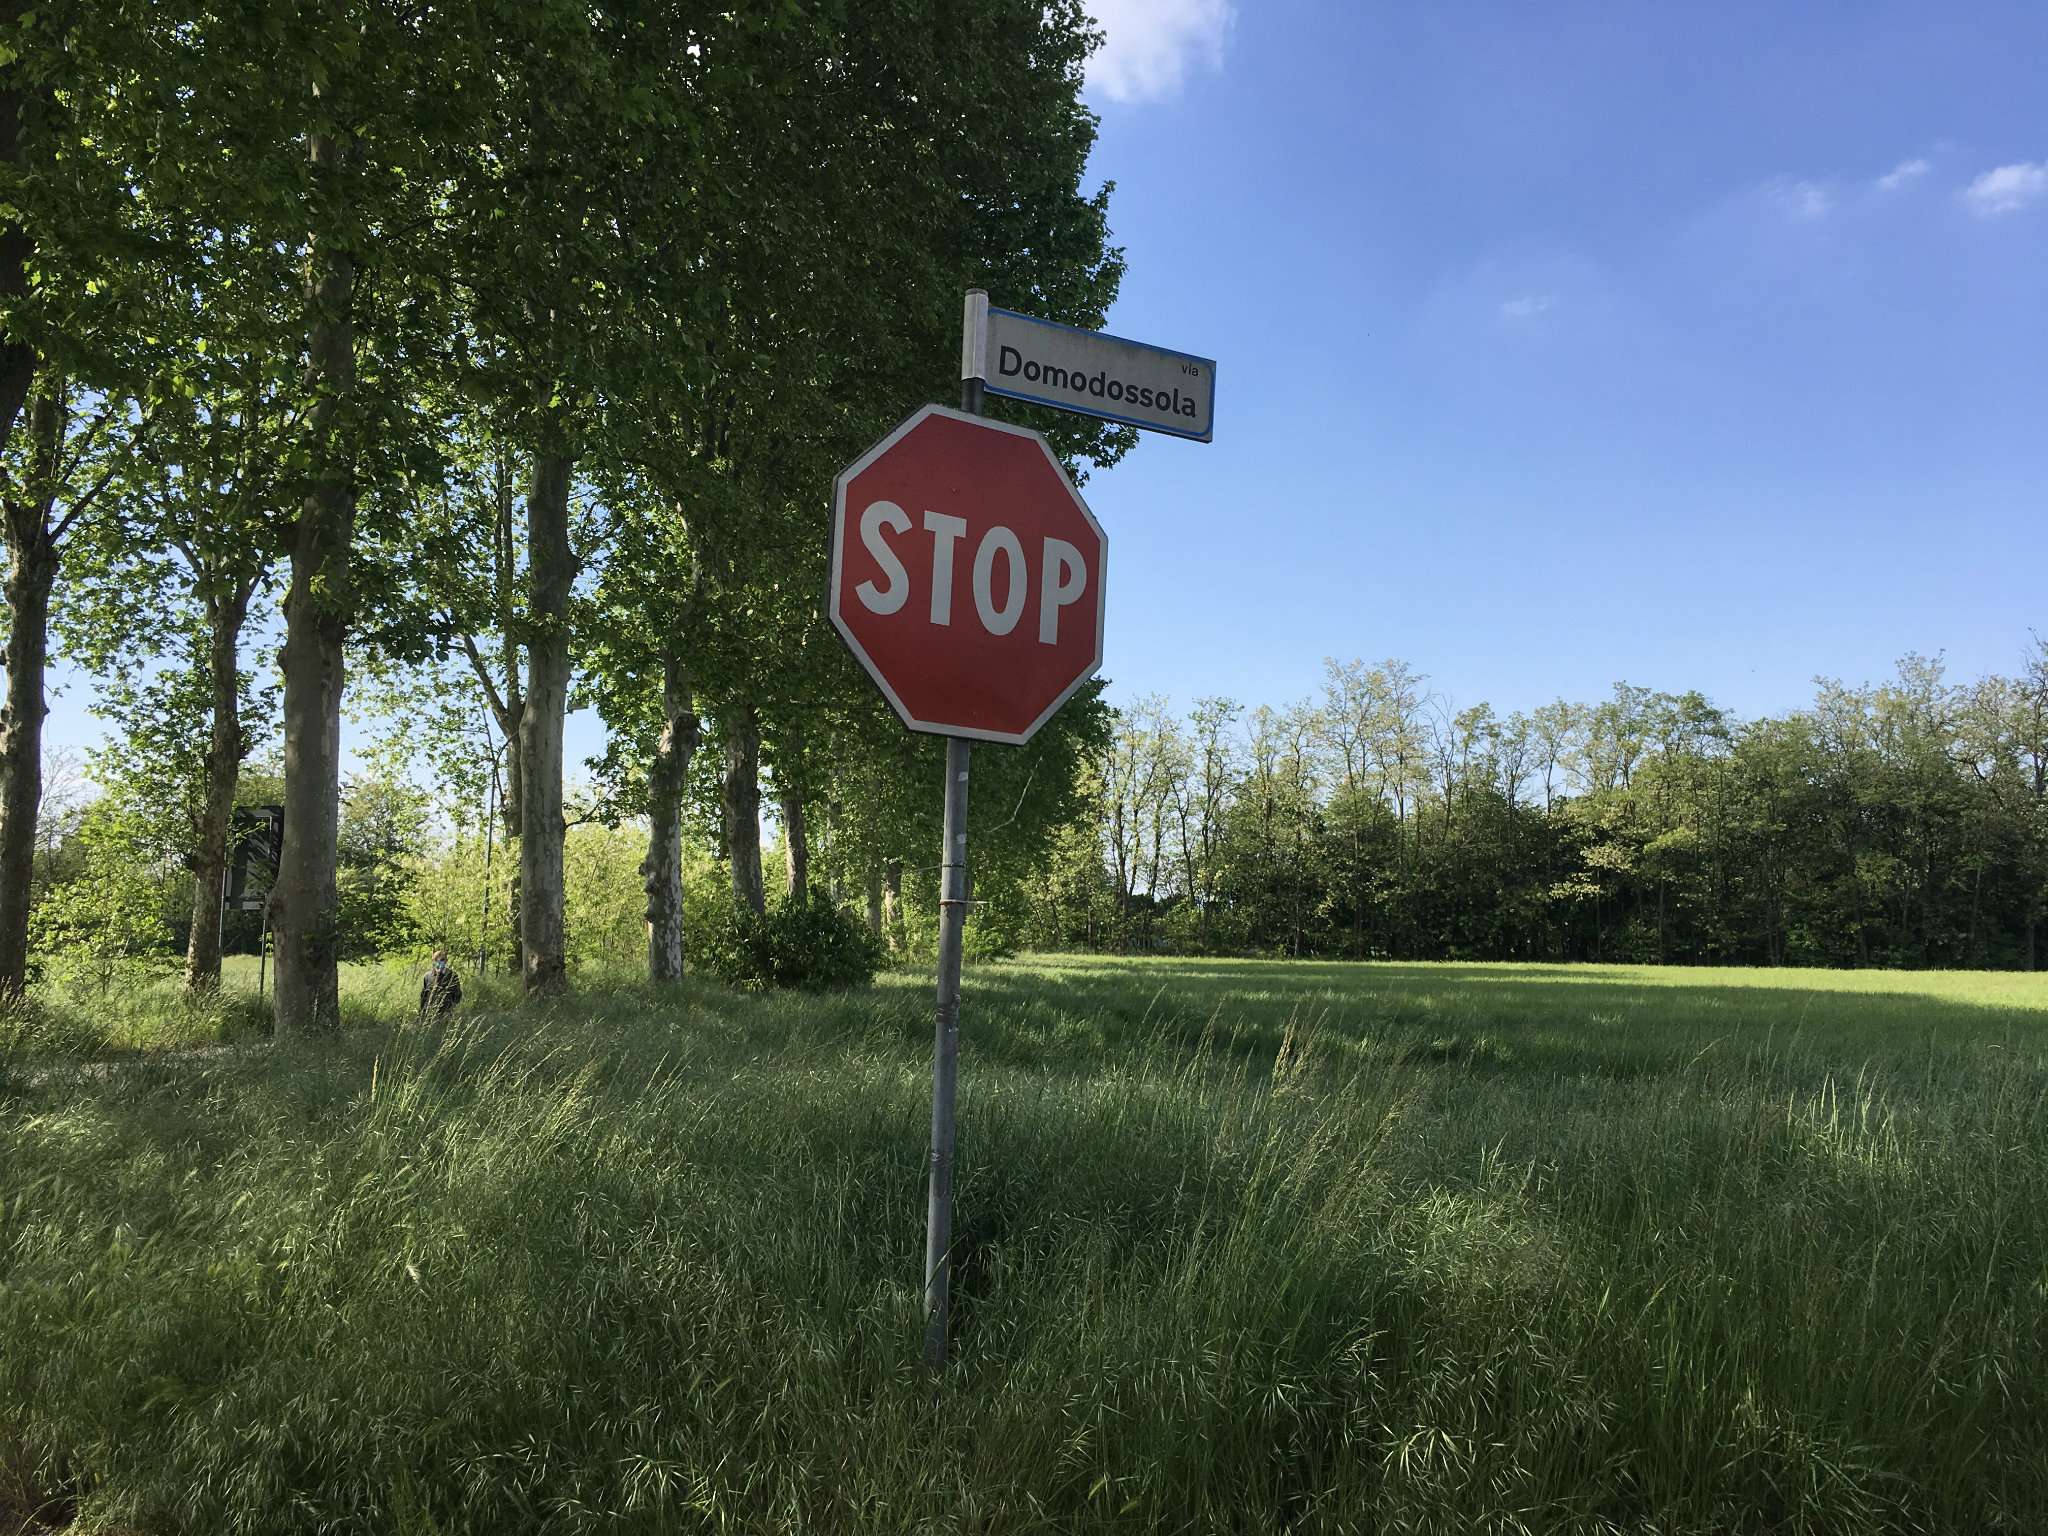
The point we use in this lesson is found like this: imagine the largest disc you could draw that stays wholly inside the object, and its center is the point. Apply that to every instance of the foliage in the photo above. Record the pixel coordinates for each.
(113, 921)
(154, 761)
(809, 947)
(450, 902)
(444, 901)
(605, 910)
(369, 273)
(991, 934)
(383, 824)
(1895, 825)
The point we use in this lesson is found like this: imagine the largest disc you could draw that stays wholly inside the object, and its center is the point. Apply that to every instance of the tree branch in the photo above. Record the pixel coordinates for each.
(82, 504)
(483, 676)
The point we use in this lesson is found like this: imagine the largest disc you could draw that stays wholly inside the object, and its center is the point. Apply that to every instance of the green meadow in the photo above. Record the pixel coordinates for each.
(1242, 1246)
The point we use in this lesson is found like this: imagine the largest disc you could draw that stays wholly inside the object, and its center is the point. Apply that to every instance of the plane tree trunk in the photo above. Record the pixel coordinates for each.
(31, 573)
(551, 571)
(892, 904)
(662, 871)
(17, 358)
(741, 802)
(305, 910)
(213, 848)
(32, 561)
(796, 847)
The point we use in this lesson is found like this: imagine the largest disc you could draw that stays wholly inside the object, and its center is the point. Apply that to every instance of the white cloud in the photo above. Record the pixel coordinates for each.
(1152, 45)
(2007, 189)
(1804, 200)
(1527, 307)
(1904, 174)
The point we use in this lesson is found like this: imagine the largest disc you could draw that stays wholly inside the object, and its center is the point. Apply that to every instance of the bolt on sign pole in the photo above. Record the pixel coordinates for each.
(938, 1235)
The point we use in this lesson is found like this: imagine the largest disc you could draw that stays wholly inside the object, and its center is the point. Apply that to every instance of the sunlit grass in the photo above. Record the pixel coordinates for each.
(1243, 1247)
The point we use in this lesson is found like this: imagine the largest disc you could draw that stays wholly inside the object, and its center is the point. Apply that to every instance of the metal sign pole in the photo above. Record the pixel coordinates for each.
(938, 1240)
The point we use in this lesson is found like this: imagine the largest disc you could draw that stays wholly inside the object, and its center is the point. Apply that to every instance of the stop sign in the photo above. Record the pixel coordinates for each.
(967, 575)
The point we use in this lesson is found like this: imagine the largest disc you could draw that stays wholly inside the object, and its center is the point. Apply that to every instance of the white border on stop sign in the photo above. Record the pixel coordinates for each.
(846, 478)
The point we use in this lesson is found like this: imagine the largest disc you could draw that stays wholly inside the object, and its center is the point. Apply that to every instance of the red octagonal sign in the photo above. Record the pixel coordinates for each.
(967, 575)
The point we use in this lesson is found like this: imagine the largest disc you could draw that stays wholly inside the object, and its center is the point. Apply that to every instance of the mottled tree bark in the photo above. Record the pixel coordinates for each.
(550, 571)
(741, 801)
(874, 902)
(31, 575)
(213, 849)
(305, 905)
(796, 847)
(31, 568)
(662, 870)
(892, 904)
(17, 357)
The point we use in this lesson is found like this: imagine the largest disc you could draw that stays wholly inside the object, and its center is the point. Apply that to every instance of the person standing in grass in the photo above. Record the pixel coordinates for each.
(440, 991)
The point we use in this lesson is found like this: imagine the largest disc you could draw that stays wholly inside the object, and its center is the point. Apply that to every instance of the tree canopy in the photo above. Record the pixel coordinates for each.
(507, 351)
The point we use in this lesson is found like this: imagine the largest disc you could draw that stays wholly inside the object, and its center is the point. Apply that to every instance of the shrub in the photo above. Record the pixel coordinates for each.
(813, 948)
(604, 899)
(446, 904)
(991, 935)
(109, 928)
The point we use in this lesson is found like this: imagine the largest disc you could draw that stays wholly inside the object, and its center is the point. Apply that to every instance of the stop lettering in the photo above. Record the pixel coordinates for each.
(967, 575)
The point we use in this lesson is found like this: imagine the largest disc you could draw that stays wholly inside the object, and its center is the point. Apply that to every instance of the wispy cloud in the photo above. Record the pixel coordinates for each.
(1526, 307)
(1802, 200)
(1902, 175)
(1151, 46)
(2007, 189)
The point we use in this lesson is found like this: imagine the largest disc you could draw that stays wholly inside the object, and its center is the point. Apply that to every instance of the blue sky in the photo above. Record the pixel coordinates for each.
(1704, 346)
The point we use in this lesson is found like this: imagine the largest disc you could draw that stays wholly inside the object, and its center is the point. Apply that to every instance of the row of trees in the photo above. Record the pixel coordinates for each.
(1904, 824)
(115, 892)
(483, 356)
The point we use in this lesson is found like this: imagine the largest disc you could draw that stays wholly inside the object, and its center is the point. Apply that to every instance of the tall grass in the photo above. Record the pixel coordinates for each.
(1240, 1249)
(136, 1008)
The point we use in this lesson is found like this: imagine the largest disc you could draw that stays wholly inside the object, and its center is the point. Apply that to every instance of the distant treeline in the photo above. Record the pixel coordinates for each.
(1904, 824)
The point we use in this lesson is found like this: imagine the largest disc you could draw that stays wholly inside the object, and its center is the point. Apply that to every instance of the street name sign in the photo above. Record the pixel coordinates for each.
(967, 575)
(1091, 372)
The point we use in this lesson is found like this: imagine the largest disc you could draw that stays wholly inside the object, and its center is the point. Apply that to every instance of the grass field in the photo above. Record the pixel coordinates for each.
(1243, 1247)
